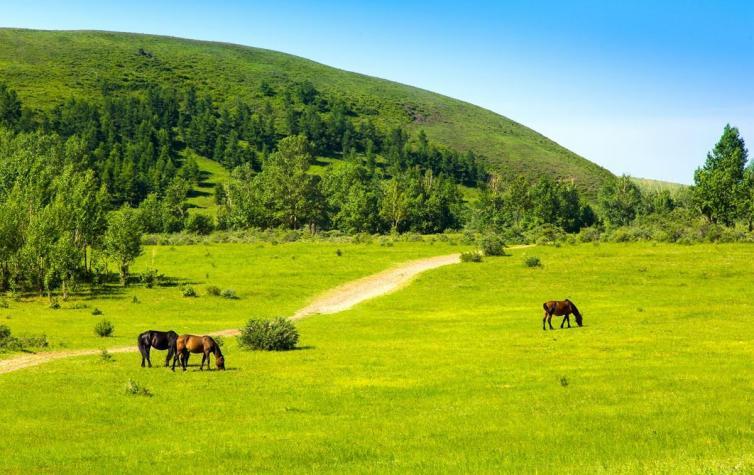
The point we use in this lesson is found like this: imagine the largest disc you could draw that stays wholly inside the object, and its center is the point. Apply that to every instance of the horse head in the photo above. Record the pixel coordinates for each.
(220, 362)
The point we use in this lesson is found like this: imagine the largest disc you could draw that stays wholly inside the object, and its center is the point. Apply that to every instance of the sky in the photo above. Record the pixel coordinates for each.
(640, 87)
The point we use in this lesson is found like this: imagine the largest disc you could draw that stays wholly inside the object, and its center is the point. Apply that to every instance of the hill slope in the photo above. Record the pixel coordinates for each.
(46, 67)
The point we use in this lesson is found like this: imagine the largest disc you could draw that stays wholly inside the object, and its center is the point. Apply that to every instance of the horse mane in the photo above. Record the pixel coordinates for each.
(573, 306)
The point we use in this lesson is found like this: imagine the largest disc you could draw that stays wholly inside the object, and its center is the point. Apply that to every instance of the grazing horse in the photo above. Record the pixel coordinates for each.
(559, 308)
(186, 344)
(159, 341)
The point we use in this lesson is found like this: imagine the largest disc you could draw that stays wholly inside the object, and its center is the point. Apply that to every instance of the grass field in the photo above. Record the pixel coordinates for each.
(270, 280)
(451, 374)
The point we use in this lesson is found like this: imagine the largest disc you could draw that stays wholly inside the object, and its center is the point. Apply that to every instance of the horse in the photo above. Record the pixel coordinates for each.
(559, 308)
(159, 341)
(186, 344)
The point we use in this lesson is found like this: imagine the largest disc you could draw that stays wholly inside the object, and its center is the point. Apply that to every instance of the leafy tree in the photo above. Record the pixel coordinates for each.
(718, 189)
(620, 201)
(288, 192)
(122, 239)
(10, 107)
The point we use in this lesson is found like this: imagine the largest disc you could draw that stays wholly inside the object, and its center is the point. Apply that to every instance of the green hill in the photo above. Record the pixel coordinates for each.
(47, 67)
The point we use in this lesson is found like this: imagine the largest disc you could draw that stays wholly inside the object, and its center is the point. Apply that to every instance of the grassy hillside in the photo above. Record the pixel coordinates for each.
(648, 184)
(46, 67)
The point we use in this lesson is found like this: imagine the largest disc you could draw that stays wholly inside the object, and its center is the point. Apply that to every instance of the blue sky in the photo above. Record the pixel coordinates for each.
(640, 87)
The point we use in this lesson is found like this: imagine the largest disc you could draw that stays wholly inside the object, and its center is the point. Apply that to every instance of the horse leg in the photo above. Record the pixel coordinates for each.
(564, 320)
(568, 319)
(184, 358)
(549, 322)
(544, 320)
(167, 359)
(149, 361)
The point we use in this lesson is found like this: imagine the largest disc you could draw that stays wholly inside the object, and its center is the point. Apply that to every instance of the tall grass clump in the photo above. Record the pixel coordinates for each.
(471, 256)
(104, 328)
(271, 335)
(135, 389)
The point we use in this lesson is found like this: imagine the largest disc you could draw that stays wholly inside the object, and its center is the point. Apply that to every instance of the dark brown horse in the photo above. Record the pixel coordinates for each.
(187, 344)
(560, 308)
(159, 341)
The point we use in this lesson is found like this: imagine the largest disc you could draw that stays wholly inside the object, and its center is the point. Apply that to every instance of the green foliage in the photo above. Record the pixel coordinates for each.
(96, 311)
(104, 328)
(229, 294)
(188, 291)
(150, 278)
(720, 185)
(492, 245)
(134, 388)
(106, 356)
(213, 290)
(620, 201)
(471, 256)
(271, 335)
(200, 224)
(533, 261)
(122, 239)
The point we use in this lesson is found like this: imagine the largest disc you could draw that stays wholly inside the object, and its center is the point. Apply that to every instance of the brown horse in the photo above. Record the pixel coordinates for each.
(187, 344)
(560, 308)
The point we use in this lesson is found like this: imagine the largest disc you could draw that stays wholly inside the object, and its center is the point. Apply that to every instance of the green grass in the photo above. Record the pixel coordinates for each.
(202, 197)
(46, 67)
(270, 280)
(647, 184)
(451, 374)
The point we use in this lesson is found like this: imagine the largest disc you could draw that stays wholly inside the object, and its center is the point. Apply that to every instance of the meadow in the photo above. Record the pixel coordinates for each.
(450, 374)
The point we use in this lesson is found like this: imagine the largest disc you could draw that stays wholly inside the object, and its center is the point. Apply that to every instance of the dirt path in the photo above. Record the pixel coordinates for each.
(335, 300)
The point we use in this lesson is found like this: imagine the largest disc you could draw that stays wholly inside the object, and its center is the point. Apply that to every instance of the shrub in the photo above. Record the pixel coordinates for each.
(472, 256)
(338, 252)
(34, 341)
(54, 304)
(150, 278)
(135, 389)
(229, 294)
(492, 245)
(79, 306)
(4, 332)
(96, 311)
(188, 291)
(271, 335)
(106, 356)
(213, 290)
(200, 224)
(135, 299)
(104, 328)
(533, 261)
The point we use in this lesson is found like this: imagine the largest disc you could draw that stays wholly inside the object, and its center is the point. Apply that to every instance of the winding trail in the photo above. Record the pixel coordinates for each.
(335, 300)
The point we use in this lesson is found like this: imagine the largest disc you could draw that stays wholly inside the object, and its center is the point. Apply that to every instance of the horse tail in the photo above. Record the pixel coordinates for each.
(140, 341)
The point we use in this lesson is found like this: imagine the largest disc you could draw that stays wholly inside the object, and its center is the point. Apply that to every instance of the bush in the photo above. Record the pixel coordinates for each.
(4, 303)
(34, 341)
(96, 311)
(150, 278)
(104, 328)
(4, 332)
(492, 245)
(271, 335)
(106, 356)
(135, 389)
(472, 256)
(7, 341)
(533, 261)
(188, 291)
(229, 294)
(213, 290)
(200, 224)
